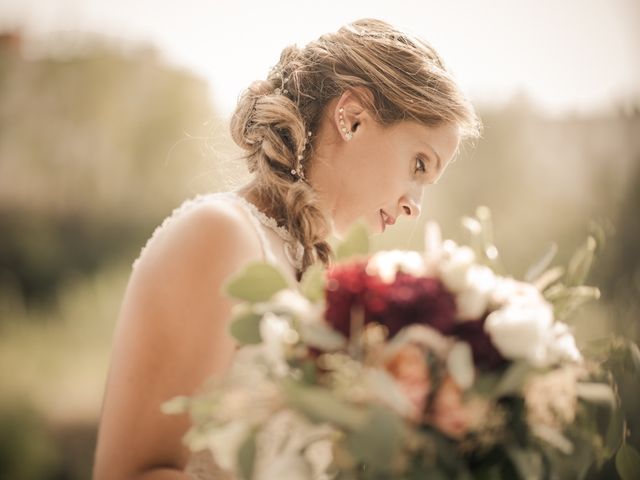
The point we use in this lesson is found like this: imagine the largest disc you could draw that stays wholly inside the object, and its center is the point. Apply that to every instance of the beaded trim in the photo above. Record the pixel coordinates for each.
(292, 248)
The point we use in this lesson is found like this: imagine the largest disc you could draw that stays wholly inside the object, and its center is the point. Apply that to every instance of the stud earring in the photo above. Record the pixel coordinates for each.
(348, 134)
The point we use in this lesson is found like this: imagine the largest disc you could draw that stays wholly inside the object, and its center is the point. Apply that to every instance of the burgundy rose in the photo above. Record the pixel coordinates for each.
(485, 355)
(408, 300)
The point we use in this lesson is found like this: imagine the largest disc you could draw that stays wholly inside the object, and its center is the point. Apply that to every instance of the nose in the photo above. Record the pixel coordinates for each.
(410, 205)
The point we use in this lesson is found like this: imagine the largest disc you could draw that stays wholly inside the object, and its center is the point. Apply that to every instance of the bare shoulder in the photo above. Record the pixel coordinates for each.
(171, 335)
(211, 230)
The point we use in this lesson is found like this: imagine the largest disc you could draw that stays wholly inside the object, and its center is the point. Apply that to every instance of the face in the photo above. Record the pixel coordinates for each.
(380, 174)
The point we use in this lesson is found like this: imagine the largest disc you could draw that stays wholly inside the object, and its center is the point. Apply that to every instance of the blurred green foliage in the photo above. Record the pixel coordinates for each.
(27, 451)
(98, 144)
(95, 147)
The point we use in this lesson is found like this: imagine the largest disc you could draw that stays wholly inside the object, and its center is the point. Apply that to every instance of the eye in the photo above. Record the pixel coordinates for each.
(421, 164)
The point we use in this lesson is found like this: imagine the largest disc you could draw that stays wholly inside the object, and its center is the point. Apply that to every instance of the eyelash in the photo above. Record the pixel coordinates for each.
(421, 164)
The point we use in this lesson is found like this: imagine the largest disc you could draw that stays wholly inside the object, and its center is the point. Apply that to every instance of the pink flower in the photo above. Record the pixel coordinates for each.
(410, 370)
(485, 354)
(449, 413)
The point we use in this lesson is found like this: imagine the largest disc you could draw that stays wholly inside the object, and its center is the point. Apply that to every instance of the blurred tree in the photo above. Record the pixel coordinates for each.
(96, 145)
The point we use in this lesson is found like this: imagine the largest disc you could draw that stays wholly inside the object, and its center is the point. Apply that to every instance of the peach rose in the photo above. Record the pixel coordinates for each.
(410, 370)
(450, 414)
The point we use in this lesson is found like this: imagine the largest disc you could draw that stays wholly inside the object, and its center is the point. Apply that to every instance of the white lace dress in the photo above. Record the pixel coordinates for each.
(279, 249)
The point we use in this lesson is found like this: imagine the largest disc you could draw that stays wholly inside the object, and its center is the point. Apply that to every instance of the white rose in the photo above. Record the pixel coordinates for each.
(455, 268)
(298, 305)
(562, 345)
(507, 290)
(387, 263)
(472, 302)
(520, 330)
(276, 333)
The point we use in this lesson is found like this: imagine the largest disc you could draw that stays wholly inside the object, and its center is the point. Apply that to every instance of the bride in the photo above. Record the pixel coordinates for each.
(352, 126)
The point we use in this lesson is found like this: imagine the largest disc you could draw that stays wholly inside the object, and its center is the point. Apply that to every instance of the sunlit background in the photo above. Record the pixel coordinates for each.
(112, 113)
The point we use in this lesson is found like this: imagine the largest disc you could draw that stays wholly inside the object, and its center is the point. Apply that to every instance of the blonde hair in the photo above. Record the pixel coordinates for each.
(407, 80)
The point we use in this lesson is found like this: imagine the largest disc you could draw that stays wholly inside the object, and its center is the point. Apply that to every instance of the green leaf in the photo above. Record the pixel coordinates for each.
(322, 337)
(628, 463)
(257, 282)
(245, 328)
(632, 361)
(580, 263)
(615, 431)
(378, 440)
(514, 379)
(527, 462)
(486, 384)
(246, 456)
(356, 242)
(321, 405)
(553, 437)
(535, 271)
(598, 393)
(548, 278)
(312, 283)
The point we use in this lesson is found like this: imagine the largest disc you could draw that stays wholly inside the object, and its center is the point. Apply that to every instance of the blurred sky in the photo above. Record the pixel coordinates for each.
(567, 55)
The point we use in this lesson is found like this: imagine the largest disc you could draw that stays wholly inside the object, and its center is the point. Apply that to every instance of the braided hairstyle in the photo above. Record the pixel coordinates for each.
(275, 119)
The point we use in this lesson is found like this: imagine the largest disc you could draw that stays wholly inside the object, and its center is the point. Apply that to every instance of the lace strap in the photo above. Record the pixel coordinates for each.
(190, 204)
(292, 248)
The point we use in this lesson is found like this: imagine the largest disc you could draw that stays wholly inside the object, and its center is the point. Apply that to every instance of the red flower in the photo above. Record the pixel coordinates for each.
(408, 300)
(485, 355)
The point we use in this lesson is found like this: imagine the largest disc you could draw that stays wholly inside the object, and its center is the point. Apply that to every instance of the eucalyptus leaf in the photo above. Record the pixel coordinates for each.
(246, 328)
(313, 282)
(321, 336)
(513, 379)
(257, 282)
(378, 440)
(580, 263)
(536, 270)
(321, 405)
(628, 463)
(356, 242)
(246, 456)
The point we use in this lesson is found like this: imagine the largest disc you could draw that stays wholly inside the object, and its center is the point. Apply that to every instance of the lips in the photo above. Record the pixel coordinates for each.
(386, 219)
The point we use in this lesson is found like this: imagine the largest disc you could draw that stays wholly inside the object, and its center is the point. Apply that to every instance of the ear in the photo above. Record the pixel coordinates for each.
(351, 111)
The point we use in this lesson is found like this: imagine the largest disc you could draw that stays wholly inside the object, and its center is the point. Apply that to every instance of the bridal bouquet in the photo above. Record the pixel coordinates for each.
(407, 365)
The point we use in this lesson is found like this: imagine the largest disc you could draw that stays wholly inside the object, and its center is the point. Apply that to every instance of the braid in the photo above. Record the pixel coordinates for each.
(268, 125)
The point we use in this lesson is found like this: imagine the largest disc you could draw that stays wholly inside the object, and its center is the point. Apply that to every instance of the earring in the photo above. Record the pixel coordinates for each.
(348, 134)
